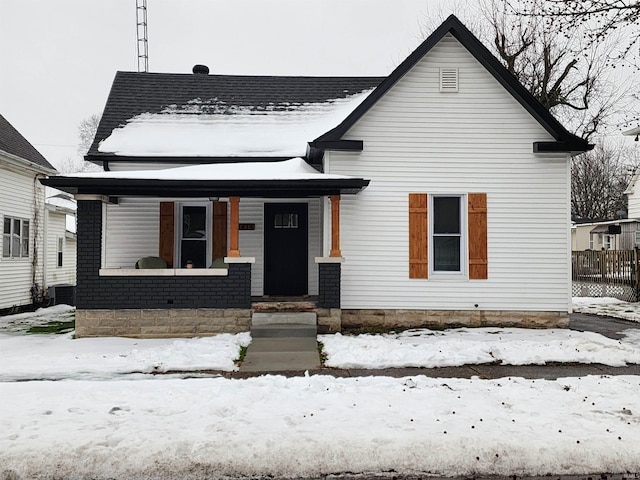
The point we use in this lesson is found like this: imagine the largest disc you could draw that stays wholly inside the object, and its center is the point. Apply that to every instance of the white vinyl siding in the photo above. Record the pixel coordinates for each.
(417, 139)
(633, 197)
(132, 231)
(20, 194)
(56, 230)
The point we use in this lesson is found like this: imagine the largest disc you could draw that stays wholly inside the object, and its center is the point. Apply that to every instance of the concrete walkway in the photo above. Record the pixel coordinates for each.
(299, 355)
(282, 341)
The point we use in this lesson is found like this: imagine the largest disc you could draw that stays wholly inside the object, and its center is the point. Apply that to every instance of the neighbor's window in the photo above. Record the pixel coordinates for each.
(605, 241)
(60, 248)
(15, 237)
(446, 234)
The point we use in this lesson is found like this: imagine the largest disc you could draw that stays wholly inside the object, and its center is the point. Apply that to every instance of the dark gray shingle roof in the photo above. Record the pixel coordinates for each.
(134, 93)
(12, 142)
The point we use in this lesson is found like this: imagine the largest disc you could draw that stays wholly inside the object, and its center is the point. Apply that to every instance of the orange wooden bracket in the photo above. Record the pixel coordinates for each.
(234, 249)
(335, 226)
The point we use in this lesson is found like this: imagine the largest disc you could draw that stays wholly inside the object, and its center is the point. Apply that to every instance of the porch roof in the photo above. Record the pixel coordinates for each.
(289, 178)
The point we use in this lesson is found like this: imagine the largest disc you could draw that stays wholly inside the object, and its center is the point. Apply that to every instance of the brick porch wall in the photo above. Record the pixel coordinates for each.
(153, 305)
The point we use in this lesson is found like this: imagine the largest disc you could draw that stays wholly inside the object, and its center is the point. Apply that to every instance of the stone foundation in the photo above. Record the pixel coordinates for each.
(161, 323)
(454, 318)
(329, 320)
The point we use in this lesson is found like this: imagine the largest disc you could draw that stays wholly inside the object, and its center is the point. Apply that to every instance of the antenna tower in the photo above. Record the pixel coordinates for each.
(141, 33)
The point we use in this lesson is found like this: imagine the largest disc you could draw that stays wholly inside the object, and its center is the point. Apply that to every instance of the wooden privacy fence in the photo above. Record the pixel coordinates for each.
(611, 273)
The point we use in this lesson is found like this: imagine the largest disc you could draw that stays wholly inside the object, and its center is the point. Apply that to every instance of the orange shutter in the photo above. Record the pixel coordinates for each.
(166, 233)
(219, 248)
(418, 236)
(477, 212)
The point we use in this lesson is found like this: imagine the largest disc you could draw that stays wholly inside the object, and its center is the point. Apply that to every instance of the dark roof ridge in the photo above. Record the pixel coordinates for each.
(233, 75)
(568, 141)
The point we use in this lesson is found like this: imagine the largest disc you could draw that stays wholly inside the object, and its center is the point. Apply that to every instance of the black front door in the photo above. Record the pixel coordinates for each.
(285, 248)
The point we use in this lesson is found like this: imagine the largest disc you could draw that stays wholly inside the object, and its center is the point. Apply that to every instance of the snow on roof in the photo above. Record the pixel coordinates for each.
(293, 169)
(63, 201)
(205, 129)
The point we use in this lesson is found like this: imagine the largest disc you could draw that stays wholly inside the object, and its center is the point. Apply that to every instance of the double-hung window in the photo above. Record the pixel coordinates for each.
(194, 235)
(59, 251)
(448, 235)
(15, 238)
(447, 240)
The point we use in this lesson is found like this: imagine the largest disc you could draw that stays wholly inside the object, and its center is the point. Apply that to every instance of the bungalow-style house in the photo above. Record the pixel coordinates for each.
(435, 196)
(22, 211)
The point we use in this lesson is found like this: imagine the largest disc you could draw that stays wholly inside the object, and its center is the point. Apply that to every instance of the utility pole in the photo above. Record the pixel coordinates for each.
(141, 33)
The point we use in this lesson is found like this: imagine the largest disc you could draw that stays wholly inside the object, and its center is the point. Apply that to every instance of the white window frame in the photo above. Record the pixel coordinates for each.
(608, 241)
(605, 240)
(59, 252)
(592, 240)
(21, 254)
(462, 198)
(178, 230)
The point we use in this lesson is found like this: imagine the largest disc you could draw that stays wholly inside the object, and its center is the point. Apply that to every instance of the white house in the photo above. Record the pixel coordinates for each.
(22, 209)
(438, 195)
(60, 252)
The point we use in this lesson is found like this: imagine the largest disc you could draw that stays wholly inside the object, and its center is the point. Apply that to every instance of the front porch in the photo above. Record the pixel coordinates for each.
(118, 300)
(189, 219)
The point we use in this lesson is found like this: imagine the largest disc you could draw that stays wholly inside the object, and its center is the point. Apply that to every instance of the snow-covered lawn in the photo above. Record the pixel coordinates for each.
(610, 307)
(309, 426)
(103, 420)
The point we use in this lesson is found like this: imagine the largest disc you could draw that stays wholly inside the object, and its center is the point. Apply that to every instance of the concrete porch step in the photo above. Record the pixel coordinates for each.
(283, 318)
(287, 330)
(287, 344)
(283, 306)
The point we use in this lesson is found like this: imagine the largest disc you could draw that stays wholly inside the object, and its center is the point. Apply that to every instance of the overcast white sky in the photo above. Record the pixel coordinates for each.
(58, 58)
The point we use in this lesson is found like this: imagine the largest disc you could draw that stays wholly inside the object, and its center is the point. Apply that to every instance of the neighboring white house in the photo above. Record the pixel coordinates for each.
(22, 211)
(633, 190)
(60, 254)
(440, 196)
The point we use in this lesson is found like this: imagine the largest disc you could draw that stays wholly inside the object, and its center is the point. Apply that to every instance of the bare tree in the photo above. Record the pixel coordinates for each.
(86, 133)
(599, 179)
(568, 76)
(597, 19)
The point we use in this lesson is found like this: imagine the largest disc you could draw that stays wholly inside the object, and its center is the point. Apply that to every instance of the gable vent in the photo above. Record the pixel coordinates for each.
(449, 79)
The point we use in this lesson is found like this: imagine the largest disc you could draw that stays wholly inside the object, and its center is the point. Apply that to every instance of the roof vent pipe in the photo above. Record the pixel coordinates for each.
(200, 69)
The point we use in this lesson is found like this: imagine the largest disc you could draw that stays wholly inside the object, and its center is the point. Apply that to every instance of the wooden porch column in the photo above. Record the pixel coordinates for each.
(234, 249)
(335, 226)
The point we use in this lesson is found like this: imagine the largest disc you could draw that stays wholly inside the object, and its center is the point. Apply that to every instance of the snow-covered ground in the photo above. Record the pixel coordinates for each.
(106, 419)
(610, 307)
